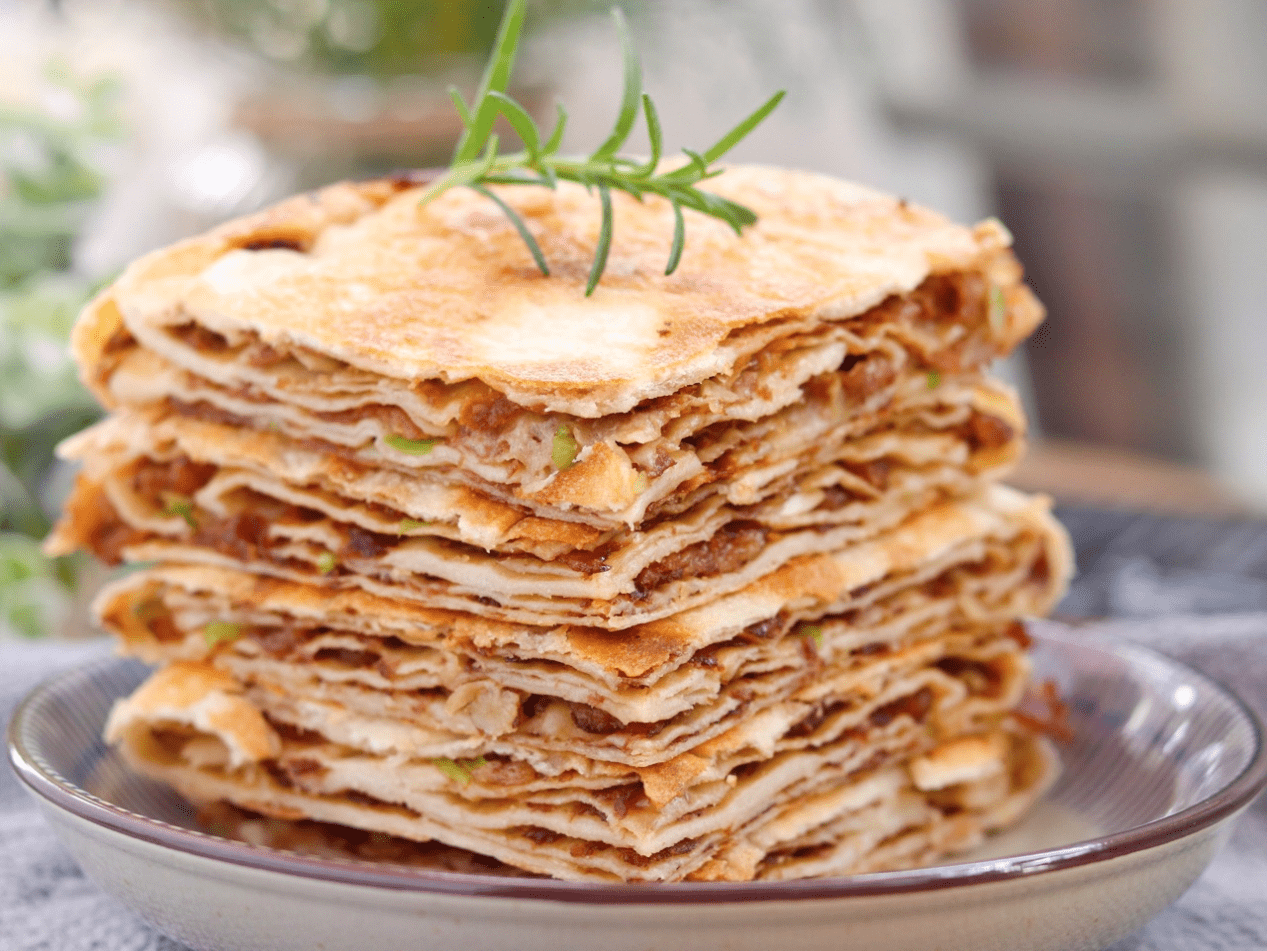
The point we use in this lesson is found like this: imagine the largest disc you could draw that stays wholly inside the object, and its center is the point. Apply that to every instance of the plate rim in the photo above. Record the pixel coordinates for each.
(46, 784)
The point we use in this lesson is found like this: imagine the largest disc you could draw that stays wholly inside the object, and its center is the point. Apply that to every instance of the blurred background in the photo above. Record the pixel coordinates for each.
(1124, 142)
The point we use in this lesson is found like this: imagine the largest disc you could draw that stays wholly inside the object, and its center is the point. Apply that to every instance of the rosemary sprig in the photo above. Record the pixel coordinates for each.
(477, 164)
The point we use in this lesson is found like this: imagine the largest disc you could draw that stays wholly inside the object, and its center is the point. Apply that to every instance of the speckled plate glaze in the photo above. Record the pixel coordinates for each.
(1163, 761)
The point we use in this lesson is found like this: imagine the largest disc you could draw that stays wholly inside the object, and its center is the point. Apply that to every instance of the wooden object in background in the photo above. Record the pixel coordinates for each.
(1091, 475)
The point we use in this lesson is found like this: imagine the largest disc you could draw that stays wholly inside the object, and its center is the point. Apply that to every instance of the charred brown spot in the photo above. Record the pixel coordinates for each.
(346, 656)
(289, 238)
(271, 244)
(404, 179)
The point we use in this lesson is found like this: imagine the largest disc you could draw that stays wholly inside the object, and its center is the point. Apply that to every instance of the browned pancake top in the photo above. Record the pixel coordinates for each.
(365, 274)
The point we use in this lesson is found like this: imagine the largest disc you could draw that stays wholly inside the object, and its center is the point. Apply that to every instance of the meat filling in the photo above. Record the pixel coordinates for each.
(732, 547)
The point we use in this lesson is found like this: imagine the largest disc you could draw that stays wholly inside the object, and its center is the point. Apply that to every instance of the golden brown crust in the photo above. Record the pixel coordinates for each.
(447, 291)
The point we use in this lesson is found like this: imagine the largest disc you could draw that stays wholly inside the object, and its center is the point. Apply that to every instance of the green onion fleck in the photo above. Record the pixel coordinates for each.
(458, 770)
(414, 447)
(934, 379)
(998, 310)
(409, 524)
(814, 633)
(182, 505)
(217, 631)
(565, 448)
(325, 564)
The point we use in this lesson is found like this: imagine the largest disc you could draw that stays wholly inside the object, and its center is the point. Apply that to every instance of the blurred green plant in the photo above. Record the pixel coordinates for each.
(379, 38)
(49, 184)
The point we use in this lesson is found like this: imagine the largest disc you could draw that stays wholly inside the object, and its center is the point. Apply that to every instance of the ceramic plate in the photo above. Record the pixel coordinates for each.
(1163, 759)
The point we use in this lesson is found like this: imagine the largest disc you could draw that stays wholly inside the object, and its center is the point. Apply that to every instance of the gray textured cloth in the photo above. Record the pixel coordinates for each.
(1194, 590)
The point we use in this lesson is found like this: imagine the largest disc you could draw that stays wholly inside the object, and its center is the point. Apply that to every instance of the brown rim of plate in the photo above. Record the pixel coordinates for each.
(1239, 793)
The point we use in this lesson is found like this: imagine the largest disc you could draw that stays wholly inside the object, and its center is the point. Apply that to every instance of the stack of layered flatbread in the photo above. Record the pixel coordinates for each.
(702, 577)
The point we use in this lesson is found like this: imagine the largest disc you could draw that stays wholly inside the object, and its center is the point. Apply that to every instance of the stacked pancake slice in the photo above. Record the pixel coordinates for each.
(703, 577)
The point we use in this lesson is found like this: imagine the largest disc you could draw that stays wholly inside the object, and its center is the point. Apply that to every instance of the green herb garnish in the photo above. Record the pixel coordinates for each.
(997, 313)
(182, 505)
(414, 447)
(814, 633)
(326, 563)
(217, 631)
(564, 451)
(477, 164)
(458, 770)
(934, 379)
(409, 524)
